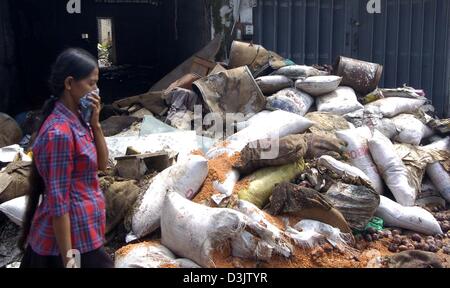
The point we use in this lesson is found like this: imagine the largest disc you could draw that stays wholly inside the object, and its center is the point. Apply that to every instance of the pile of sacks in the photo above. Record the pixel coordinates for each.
(342, 159)
(316, 155)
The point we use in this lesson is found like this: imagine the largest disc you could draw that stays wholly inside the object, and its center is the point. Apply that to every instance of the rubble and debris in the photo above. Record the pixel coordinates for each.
(209, 52)
(415, 159)
(259, 60)
(10, 132)
(342, 171)
(334, 236)
(136, 166)
(305, 203)
(356, 203)
(9, 236)
(152, 101)
(202, 67)
(231, 91)
(220, 182)
(182, 103)
(181, 143)
(184, 82)
(116, 124)
(141, 113)
(405, 92)
(11, 154)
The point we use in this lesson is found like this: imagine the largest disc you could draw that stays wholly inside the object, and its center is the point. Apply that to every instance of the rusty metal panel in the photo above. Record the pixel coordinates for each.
(409, 38)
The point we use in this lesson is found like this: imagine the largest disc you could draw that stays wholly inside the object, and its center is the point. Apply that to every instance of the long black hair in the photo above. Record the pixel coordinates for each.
(73, 62)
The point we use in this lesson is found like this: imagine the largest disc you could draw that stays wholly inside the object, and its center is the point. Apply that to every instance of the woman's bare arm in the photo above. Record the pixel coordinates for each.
(61, 228)
(102, 149)
(100, 143)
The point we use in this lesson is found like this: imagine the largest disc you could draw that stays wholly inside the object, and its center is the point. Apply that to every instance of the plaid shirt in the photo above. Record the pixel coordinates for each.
(66, 158)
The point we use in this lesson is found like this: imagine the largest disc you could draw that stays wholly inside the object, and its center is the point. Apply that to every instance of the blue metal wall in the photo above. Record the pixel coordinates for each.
(409, 37)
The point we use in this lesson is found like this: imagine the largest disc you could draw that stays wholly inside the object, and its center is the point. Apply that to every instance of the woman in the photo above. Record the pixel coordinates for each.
(66, 226)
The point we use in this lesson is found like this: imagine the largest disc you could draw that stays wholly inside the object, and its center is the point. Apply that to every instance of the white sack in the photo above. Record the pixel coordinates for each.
(226, 188)
(185, 178)
(438, 175)
(300, 100)
(273, 83)
(329, 233)
(410, 129)
(276, 124)
(340, 168)
(258, 117)
(298, 71)
(143, 255)
(393, 106)
(358, 150)
(182, 143)
(318, 85)
(412, 218)
(391, 167)
(195, 231)
(340, 102)
(15, 209)
(250, 246)
(149, 255)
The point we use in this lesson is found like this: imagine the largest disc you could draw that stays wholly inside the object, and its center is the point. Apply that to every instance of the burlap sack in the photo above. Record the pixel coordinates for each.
(290, 149)
(10, 132)
(120, 197)
(14, 181)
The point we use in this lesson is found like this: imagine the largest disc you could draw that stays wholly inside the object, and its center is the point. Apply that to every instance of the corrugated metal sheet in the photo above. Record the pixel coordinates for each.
(410, 38)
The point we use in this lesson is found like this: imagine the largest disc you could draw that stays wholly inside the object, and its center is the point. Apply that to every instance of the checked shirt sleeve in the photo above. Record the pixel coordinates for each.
(58, 163)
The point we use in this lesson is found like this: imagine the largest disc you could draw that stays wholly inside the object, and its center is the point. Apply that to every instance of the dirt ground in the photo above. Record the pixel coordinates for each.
(302, 258)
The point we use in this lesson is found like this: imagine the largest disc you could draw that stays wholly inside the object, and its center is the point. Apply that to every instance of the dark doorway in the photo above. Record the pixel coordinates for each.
(106, 42)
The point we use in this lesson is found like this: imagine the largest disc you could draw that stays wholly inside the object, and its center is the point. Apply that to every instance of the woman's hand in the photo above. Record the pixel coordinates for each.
(96, 108)
(102, 149)
(63, 235)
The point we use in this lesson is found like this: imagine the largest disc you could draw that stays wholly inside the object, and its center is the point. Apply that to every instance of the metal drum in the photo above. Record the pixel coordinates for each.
(362, 76)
